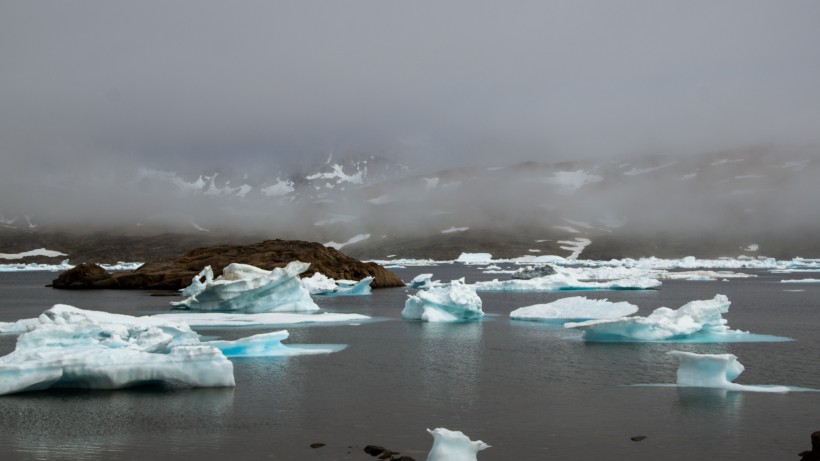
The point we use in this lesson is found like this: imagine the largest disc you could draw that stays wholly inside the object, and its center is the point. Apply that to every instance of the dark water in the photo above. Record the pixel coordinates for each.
(529, 390)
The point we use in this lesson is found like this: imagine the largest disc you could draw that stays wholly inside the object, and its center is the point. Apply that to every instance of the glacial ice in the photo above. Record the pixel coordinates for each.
(320, 284)
(452, 302)
(474, 258)
(423, 281)
(453, 446)
(576, 308)
(696, 321)
(246, 288)
(70, 347)
(801, 281)
(715, 371)
(76, 348)
(265, 319)
(564, 282)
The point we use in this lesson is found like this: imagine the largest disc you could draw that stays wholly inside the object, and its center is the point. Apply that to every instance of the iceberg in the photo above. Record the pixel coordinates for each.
(576, 308)
(70, 347)
(268, 345)
(715, 371)
(321, 285)
(423, 282)
(246, 288)
(453, 446)
(696, 321)
(474, 258)
(453, 302)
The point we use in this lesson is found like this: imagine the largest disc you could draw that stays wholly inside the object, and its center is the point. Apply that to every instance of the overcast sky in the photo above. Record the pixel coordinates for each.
(96, 86)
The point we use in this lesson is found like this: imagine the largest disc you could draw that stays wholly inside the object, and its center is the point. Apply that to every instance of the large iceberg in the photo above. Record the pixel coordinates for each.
(76, 348)
(69, 347)
(715, 371)
(453, 302)
(246, 288)
(696, 321)
(453, 446)
(576, 308)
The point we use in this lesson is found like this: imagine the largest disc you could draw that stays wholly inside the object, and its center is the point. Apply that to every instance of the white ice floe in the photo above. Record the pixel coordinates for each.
(351, 241)
(75, 348)
(564, 282)
(38, 252)
(576, 308)
(453, 302)
(717, 371)
(224, 319)
(453, 446)
(474, 258)
(246, 288)
(320, 284)
(800, 281)
(422, 281)
(696, 321)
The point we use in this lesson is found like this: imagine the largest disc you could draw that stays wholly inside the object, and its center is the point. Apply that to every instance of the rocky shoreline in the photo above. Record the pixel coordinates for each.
(175, 274)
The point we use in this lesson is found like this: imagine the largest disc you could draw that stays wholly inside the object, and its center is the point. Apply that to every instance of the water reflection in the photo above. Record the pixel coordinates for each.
(99, 424)
(450, 357)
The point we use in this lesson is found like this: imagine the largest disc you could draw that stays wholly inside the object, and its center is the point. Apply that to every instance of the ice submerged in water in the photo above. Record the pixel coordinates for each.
(576, 308)
(696, 321)
(454, 302)
(715, 371)
(453, 446)
(67, 347)
(246, 288)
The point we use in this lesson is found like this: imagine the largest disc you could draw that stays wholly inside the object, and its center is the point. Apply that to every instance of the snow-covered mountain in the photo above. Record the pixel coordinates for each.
(754, 201)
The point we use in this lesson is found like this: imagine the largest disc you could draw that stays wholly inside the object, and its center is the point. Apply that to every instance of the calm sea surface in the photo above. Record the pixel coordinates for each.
(531, 391)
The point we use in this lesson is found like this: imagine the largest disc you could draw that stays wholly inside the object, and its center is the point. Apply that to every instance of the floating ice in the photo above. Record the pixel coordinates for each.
(715, 371)
(64, 265)
(69, 347)
(576, 308)
(76, 348)
(421, 281)
(532, 272)
(320, 284)
(564, 282)
(801, 281)
(453, 446)
(453, 302)
(696, 321)
(474, 258)
(220, 319)
(246, 288)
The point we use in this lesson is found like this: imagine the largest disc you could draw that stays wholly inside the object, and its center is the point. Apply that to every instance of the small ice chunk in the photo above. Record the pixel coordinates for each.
(421, 281)
(531, 272)
(267, 345)
(320, 284)
(453, 446)
(247, 288)
(714, 371)
(576, 308)
(453, 302)
(475, 258)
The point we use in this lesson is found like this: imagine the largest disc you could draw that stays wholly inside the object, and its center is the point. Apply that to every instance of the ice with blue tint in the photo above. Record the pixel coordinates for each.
(268, 345)
(76, 348)
(696, 321)
(246, 288)
(565, 282)
(70, 347)
(322, 285)
(453, 302)
(422, 281)
(576, 308)
(453, 446)
(228, 319)
(716, 371)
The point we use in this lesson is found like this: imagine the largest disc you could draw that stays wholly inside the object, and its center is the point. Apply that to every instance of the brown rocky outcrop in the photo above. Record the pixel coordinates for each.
(176, 274)
(83, 276)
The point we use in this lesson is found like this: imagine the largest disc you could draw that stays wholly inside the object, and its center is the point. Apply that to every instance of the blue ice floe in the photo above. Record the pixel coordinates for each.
(716, 371)
(67, 347)
(576, 308)
(322, 285)
(696, 321)
(453, 446)
(246, 288)
(453, 302)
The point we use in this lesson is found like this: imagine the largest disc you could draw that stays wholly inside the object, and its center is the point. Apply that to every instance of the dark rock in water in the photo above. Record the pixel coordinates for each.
(814, 454)
(373, 450)
(637, 438)
(403, 458)
(83, 276)
(317, 445)
(532, 272)
(177, 274)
